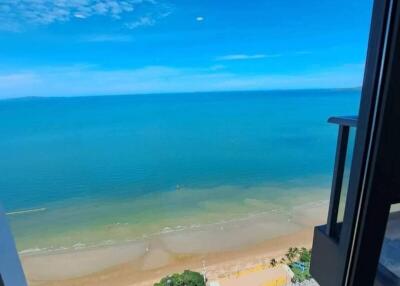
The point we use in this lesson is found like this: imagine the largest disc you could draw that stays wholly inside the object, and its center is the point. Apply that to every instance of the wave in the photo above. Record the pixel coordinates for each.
(27, 211)
(32, 250)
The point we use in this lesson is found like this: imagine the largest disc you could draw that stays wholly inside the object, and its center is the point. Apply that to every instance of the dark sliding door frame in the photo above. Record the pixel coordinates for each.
(348, 253)
(375, 172)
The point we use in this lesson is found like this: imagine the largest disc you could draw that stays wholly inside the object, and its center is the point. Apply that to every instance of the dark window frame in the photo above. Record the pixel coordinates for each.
(352, 257)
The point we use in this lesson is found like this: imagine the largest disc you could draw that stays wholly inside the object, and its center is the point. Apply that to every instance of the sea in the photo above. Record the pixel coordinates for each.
(79, 172)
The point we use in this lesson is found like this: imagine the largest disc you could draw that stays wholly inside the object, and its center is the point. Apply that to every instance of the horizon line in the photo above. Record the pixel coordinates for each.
(178, 92)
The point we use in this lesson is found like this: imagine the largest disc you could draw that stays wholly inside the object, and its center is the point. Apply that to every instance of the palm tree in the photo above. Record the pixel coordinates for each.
(273, 262)
(290, 254)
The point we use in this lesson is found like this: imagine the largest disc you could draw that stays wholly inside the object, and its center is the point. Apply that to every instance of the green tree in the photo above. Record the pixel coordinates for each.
(305, 255)
(290, 254)
(300, 276)
(187, 278)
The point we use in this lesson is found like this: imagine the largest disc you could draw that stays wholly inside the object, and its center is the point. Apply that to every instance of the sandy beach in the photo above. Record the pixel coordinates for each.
(220, 249)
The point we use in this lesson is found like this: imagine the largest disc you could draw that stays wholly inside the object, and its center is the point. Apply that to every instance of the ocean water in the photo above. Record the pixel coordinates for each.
(86, 171)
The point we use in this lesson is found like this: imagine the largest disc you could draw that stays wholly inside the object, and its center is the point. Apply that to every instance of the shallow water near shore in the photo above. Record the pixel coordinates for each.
(95, 223)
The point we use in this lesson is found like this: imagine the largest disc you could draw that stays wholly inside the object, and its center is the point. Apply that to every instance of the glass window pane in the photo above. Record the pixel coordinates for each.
(389, 263)
(140, 138)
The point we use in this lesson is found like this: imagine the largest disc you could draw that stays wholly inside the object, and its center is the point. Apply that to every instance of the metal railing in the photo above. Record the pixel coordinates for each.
(329, 249)
(345, 123)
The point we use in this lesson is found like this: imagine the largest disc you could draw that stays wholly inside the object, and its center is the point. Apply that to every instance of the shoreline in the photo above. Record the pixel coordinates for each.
(278, 212)
(222, 249)
(218, 265)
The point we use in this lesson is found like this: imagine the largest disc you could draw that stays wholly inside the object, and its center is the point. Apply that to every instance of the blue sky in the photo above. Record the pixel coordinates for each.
(95, 47)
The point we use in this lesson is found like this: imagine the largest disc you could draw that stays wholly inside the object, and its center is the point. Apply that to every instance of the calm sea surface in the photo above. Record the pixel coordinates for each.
(94, 170)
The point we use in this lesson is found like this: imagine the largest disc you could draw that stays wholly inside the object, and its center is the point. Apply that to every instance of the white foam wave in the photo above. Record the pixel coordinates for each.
(26, 211)
(31, 250)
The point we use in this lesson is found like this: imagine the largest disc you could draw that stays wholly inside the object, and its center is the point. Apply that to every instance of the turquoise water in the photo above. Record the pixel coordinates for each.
(116, 168)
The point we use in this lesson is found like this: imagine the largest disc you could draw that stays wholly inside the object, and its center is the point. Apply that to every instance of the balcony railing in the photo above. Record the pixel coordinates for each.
(345, 123)
(327, 250)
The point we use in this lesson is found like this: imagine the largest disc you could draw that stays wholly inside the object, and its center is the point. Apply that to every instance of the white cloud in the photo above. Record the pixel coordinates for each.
(80, 16)
(150, 19)
(239, 57)
(15, 15)
(15, 79)
(200, 19)
(18, 84)
(91, 80)
(142, 21)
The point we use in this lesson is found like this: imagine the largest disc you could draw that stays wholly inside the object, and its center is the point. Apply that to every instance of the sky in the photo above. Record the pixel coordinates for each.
(106, 47)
